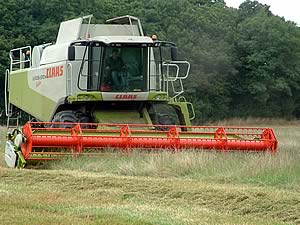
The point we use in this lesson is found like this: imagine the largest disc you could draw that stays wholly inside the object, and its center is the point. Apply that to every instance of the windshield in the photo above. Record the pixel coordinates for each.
(116, 69)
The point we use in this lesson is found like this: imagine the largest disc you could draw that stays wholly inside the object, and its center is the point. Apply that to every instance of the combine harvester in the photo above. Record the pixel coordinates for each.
(106, 86)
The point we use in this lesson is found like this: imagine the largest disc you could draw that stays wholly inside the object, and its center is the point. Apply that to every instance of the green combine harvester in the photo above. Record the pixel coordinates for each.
(106, 86)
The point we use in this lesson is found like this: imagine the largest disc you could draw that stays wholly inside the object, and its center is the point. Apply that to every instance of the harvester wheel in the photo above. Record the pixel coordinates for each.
(70, 116)
(164, 119)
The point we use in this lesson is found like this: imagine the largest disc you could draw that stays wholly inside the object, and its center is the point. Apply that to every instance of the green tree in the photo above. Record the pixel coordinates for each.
(268, 49)
(245, 62)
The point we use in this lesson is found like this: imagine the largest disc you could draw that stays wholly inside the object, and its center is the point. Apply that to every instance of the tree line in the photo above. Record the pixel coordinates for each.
(245, 61)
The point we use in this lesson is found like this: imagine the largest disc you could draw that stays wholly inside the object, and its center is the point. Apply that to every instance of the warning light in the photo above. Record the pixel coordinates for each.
(154, 37)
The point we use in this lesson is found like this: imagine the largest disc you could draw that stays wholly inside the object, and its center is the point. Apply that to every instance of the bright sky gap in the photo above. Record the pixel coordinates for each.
(289, 9)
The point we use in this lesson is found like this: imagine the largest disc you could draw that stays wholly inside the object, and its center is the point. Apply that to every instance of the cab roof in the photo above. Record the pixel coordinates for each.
(122, 39)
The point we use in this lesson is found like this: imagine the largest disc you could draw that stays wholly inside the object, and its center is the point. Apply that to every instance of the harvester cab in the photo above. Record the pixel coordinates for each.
(106, 85)
(94, 69)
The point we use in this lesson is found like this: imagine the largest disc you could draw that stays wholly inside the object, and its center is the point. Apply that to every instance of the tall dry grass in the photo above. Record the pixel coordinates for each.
(282, 168)
(261, 122)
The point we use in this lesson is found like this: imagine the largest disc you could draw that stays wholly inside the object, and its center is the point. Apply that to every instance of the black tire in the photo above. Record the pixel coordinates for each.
(70, 116)
(163, 119)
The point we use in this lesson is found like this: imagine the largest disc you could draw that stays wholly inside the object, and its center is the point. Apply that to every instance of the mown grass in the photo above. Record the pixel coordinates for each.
(166, 188)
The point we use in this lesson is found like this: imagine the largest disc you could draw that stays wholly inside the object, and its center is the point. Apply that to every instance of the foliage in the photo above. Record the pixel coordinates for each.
(268, 77)
(245, 62)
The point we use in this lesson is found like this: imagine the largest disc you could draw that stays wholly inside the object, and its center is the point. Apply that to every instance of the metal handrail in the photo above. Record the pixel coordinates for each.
(21, 61)
(69, 79)
(6, 89)
(177, 93)
(177, 77)
(193, 111)
(188, 68)
(168, 65)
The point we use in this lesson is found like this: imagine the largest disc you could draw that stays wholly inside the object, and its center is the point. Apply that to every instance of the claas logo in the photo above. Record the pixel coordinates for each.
(56, 71)
(126, 96)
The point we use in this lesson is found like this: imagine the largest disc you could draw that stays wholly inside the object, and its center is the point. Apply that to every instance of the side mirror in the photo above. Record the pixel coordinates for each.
(71, 53)
(174, 54)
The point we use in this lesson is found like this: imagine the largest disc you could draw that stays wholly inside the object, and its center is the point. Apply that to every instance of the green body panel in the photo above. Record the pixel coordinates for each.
(122, 117)
(30, 101)
(21, 161)
(125, 116)
(184, 110)
(97, 96)
(85, 97)
(158, 96)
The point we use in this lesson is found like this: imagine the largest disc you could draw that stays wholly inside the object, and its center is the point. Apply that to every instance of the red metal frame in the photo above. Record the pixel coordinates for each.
(41, 136)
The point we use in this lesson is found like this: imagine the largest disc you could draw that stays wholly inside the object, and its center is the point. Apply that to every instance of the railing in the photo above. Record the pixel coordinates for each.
(177, 77)
(162, 76)
(11, 115)
(190, 106)
(20, 58)
(69, 89)
(6, 91)
(162, 80)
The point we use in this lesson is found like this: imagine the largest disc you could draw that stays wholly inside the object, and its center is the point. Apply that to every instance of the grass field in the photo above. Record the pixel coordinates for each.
(183, 188)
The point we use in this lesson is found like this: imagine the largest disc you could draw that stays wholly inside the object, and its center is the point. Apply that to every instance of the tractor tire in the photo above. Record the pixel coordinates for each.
(70, 116)
(164, 119)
